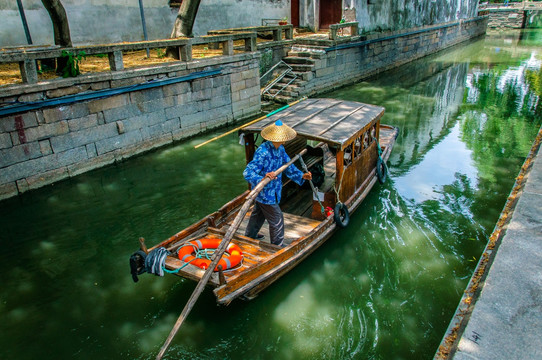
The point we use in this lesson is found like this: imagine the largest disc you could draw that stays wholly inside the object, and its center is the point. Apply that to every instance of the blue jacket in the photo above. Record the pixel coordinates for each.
(267, 158)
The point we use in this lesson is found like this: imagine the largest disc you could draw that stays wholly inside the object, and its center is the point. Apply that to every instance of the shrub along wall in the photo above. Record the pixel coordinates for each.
(65, 131)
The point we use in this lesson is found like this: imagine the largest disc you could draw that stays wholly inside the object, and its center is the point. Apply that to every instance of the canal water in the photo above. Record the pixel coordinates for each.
(385, 287)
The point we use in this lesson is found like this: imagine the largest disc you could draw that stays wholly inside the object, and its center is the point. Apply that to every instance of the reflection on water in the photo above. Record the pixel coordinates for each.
(385, 287)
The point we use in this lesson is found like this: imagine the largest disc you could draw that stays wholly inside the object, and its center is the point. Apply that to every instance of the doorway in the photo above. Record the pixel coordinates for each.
(294, 11)
(330, 13)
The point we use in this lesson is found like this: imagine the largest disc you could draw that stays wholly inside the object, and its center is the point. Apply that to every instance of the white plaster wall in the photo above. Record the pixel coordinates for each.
(108, 21)
(223, 14)
(401, 14)
(91, 21)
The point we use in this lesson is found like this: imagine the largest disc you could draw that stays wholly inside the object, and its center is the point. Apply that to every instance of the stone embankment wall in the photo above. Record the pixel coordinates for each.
(336, 66)
(506, 18)
(45, 145)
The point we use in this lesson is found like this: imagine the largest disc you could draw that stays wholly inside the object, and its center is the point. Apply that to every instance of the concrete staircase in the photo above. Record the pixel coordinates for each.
(302, 60)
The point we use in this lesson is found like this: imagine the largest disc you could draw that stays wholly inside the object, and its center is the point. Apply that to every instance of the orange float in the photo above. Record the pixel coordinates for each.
(188, 253)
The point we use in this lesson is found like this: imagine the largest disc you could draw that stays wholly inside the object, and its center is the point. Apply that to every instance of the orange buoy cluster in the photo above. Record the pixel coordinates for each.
(231, 258)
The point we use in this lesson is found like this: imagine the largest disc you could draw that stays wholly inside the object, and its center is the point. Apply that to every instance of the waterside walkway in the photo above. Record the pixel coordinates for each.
(505, 322)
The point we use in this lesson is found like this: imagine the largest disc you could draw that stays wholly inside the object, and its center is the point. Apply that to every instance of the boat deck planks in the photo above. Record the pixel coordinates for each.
(295, 226)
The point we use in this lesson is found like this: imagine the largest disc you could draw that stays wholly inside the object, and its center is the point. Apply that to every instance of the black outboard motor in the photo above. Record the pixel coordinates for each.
(137, 264)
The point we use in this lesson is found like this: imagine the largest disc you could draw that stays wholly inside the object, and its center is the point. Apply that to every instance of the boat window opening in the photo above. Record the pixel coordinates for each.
(348, 155)
(366, 140)
(357, 147)
(313, 143)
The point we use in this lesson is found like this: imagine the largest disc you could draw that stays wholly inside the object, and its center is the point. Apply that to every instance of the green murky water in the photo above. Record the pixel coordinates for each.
(383, 288)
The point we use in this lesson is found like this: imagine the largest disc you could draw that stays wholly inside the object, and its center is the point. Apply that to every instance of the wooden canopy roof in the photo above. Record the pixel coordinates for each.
(329, 120)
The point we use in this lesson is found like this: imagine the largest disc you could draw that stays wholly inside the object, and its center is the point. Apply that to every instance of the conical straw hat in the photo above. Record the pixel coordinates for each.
(278, 132)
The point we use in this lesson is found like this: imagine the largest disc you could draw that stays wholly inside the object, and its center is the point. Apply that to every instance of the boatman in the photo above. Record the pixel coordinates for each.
(270, 156)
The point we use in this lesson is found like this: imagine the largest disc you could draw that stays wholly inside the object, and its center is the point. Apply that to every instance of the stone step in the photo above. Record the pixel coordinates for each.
(280, 99)
(301, 67)
(303, 54)
(316, 52)
(297, 82)
(316, 43)
(284, 92)
(298, 60)
(305, 75)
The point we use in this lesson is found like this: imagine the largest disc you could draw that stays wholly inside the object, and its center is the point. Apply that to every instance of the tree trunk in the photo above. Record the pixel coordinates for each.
(184, 23)
(61, 28)
(59, 18)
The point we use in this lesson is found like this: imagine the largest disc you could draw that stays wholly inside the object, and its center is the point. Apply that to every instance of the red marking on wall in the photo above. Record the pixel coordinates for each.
(19, 125)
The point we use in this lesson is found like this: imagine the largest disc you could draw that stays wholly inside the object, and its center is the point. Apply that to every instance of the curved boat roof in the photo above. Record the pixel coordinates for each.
(329, 120)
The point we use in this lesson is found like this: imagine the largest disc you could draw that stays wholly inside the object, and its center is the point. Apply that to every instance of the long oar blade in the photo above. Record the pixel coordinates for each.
(249, 123)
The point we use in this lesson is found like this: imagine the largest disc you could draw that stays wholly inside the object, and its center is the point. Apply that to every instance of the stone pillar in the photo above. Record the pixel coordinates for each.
(115, 61)
(29, 71)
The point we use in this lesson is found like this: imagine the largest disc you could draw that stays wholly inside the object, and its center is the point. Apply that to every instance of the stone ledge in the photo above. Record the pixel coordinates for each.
(56, 84)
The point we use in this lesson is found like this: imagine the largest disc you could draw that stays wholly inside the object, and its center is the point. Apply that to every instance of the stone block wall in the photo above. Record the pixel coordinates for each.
(45, 145)
(344, 64)
(506, 18)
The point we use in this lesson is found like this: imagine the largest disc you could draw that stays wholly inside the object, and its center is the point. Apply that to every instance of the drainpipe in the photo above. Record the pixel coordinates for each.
(25, 25)
(142, 13)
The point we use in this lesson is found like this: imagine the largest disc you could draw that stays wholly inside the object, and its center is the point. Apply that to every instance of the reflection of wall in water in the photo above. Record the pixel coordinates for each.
(433, 91)
(533, 19)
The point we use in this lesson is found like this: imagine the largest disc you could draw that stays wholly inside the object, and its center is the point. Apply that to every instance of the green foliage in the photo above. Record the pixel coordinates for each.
(72, 63)
(266, 61)
(160, 53)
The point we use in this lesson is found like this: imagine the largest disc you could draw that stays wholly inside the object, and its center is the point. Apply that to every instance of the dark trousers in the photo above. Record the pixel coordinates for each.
(273, 215)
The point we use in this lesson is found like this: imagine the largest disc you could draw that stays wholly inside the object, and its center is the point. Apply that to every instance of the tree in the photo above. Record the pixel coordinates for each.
(61, 30)
(184, 22)
(58, 16)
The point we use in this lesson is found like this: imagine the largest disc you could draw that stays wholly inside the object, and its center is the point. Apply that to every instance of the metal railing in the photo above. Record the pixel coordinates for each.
(278, 78)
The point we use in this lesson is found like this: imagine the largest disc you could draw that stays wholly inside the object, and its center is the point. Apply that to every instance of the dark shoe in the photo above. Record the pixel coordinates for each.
(259, 236)
(281, 245)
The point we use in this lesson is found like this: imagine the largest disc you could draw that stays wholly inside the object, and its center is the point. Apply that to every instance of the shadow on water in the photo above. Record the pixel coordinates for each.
(385, 287)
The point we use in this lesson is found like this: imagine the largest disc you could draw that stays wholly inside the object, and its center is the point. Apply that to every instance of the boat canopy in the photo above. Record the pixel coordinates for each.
(332, 121)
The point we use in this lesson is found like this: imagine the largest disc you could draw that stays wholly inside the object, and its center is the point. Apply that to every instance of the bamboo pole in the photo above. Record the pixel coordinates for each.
(219, 252)
(249, 123)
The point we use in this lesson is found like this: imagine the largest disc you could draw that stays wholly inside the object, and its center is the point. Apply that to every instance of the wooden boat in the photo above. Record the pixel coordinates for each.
(348, 154)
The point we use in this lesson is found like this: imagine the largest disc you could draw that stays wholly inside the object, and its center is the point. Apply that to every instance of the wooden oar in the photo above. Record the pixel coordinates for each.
(249, 123)
(220, 251)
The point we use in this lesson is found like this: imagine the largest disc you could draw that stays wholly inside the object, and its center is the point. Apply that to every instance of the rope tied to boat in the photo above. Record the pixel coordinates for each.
(155, 260)
(381, 167)
(379, 149)
(337, 191)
